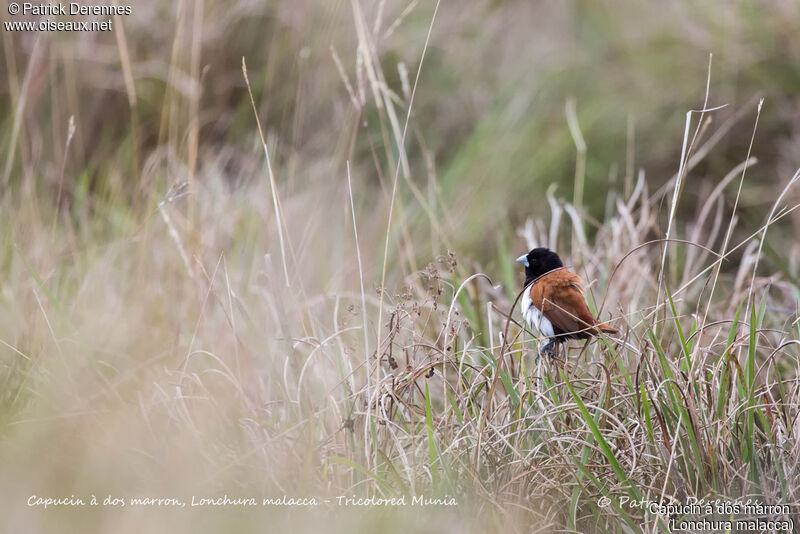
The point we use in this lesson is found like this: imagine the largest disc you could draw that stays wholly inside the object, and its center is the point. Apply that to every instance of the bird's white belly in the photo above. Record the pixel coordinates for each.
(533, 316)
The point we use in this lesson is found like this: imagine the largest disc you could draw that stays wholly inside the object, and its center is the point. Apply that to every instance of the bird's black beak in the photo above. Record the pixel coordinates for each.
(523, 260)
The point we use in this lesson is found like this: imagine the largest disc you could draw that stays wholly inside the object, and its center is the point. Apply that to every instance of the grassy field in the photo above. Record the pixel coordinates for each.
(266, 251)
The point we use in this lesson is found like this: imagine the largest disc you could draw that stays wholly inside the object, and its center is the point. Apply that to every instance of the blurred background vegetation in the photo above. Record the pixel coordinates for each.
(488, 126)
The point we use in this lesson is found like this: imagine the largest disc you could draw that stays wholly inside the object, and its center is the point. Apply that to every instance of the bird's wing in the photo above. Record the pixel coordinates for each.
(559, 296)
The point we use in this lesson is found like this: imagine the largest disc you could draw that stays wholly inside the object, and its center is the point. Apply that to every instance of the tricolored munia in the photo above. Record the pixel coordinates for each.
(553, 301)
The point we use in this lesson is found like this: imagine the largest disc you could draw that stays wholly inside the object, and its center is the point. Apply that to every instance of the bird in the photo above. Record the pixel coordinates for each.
(553, 303)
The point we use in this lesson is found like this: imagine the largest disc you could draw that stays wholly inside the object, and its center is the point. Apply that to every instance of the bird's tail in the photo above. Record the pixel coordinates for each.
(604, 328)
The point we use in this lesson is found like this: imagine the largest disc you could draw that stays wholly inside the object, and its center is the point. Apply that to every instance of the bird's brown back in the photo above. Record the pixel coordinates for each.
(559, 296)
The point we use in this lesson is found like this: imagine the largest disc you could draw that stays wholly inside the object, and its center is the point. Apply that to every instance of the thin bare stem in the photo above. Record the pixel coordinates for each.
(272, 185)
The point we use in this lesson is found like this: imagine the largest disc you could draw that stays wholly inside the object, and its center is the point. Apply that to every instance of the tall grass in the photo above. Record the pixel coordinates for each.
(300, 312)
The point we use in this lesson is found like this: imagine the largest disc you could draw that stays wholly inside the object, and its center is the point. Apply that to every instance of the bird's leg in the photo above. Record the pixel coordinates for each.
(548, 348)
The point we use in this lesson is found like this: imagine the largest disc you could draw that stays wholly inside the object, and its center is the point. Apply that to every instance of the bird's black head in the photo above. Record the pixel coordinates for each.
(538, 262)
